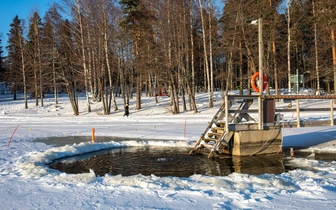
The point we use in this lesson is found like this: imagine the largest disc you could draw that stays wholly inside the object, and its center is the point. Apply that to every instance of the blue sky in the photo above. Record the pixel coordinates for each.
(23, 8)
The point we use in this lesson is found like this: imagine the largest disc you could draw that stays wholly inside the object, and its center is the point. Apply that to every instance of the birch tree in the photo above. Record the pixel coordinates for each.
(207, 69)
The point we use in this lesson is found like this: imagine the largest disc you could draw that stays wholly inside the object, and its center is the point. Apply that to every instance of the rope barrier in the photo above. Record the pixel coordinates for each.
(12, 137)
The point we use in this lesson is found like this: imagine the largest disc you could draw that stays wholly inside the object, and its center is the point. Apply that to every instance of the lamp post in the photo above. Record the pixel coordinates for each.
(261, 82)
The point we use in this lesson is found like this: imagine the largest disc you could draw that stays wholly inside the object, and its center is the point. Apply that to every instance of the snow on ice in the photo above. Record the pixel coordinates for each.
(26, 182)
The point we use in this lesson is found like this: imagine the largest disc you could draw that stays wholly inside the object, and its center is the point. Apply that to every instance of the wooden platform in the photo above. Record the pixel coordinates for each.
(282, 97)
(299, 97)
(225, 134)
(228, 133)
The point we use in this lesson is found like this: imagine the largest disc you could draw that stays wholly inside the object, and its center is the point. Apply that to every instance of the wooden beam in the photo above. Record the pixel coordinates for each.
(300, 97)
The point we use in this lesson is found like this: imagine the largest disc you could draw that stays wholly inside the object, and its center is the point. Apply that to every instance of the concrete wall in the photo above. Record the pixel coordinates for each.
(256, 142)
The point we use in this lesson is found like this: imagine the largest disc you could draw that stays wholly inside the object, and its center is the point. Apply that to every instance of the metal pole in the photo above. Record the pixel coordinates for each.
(261, 82)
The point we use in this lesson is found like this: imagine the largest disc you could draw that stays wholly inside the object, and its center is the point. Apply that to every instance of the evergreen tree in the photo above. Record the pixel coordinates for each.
(67, 60)
(50, 41)
(138, 21)
(2, 67)
(33, 48)
(16, 58)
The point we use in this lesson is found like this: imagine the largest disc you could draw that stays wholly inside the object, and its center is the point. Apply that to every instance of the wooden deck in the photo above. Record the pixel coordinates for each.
(228, 133)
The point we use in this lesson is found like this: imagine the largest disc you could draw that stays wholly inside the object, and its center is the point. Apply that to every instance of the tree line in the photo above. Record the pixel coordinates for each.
(113, 48)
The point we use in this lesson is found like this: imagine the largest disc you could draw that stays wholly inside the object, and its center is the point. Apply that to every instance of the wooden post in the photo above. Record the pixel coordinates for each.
(226, 113)
(185, 128)
(260, 112)
(292, 152)
(334, 57)
(261, 82)
(93, 135)
(331, 112)
(298, 113)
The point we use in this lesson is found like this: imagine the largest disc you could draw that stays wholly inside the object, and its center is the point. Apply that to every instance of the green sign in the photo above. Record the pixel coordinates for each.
(294, 78)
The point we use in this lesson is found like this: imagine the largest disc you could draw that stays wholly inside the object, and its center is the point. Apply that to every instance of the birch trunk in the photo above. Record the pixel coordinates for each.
(81, 34)
(211, 64)
(192, 59)
(207, 70)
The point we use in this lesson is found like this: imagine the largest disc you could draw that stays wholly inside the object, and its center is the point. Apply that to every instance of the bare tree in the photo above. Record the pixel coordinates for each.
(79, 18)
(207, 69)
(192, 91)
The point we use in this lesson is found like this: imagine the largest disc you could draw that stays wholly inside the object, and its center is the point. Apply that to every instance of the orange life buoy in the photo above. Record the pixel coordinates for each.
(254, 82)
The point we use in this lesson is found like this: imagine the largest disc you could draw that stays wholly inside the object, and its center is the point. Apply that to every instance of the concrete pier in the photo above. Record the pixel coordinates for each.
(255, 142)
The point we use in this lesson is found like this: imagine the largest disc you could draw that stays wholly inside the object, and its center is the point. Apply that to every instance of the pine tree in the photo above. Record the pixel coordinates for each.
(34, 59)
(67, 65)
(16, 58)
(2, 67)
(138, 21)
(50, 41)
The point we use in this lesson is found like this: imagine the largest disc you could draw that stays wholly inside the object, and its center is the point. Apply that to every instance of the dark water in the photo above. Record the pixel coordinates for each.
(170, 161)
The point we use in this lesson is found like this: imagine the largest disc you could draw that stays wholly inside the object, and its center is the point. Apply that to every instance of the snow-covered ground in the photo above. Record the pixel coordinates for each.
(27, 183)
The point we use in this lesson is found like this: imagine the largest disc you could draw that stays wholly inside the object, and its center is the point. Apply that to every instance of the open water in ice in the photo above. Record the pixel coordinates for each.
(169, 161)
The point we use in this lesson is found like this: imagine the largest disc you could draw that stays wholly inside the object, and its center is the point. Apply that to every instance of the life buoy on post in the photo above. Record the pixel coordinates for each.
(254, 82)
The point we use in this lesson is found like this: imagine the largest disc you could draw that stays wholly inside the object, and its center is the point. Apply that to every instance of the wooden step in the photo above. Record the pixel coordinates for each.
(217, 129)
(214, 152)
(209, 139)
(208, 146)
(220, 123)
(217, 134)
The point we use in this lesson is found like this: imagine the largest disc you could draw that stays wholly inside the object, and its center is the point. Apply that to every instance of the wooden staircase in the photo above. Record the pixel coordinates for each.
(215, 139)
